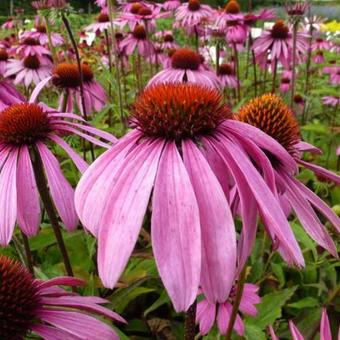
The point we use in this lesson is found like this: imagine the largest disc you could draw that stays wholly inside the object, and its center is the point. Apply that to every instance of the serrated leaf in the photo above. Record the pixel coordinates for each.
(304, 303)
(270, 308)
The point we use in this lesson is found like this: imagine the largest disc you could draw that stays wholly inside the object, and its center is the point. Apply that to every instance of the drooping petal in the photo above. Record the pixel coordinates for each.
(268, 205)
(8, 197)
(81, 303)
(296, 335)
(77, 160)
(175, 230)
(218, 236)
(94, 186)
(249, 299)
(320, 171)
(325, 328)
(272, 333)
(77, 324)
(62, 281)
(122, 219)
(205, 316)
(53, 333)
(308, 217)
(61, 191)
(28, 196)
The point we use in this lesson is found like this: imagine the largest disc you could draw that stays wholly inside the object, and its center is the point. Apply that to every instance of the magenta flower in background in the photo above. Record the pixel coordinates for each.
(3, 61)
(192, 229)
(319, 58)
(29, 305)
(8, 24)
(275, 118)
(334, 76)
(186, 66)
(226, 75)
(171, 5)
(102, 24)
(137, 41)
(66, 77)
(279, 43)
(231, 12)
(29, 70)
(9, 95)
(39, 34)
(208, 314)
(325, 329)
(285, 84)
(25, 125)
(30, 47)
(321, 44)
(101, 3)
(191, 13)
(168, 41)
(331, 100)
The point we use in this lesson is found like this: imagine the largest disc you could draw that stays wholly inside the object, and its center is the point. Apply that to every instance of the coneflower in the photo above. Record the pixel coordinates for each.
(180, 152)
(270, 114)
(29, 306)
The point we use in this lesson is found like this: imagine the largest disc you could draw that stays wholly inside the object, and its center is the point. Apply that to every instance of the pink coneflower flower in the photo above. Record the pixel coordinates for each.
(9, 95)
(298, 100)
(230, 12)
(137, 41)
(29, 70)
(191, 13)
(330, 68)
(168, 41)
(192, 229)
(251, 19)
(8, 24)
(296, 8)
(325, 329)
(278, 41)
(207, 313)
(275, 118)
(66, 77)
(41, 36)
(313, 24)
(171, 5)
(102, 24)
(285, 84)
(236, 32)
(319, 58)
(321, 44)
(29, 305)
(3, 61)
(186, 66)
(331, 100)
(334, 77)
(30, 46)
(24, 126)
(226, 75)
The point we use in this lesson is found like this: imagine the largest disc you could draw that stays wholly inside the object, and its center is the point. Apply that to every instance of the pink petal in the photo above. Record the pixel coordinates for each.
(28, 195)
(52, 333)
(325, 328)
(61, 191)
(175, 230)
(81, 303)
(271, 212)
(62, 281)
(205, 316)
(321, 171)
(272, 333)
(8, 197)
(78, 324)
(308, 218)
(122, 219)
(295, 333)
(38, 89)
(94, 186)
(77, 160)
(218, 235)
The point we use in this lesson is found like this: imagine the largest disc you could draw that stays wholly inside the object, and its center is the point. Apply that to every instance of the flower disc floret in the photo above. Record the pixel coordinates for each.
(232, 7)
(19, 300)
(3, 54)
(271, 115)
(23, 123)
(194, 5)
(280, 30)
(139, 32)
(185, 59)
(32, 62)
(179, 111)
(226, 69)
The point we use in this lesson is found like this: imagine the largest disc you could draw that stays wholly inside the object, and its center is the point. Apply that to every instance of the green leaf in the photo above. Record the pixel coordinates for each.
(304, 303)
(270, 308)
(278, 271)
(254, 332)
(164, 298)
